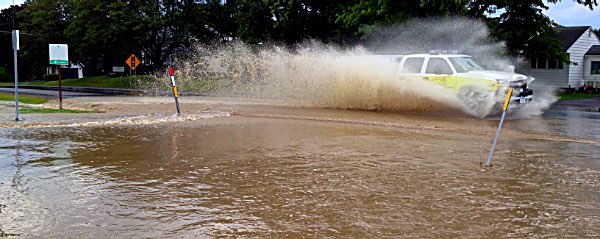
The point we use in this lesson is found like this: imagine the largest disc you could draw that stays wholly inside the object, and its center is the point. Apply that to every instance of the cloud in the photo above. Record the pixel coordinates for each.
(569, 13)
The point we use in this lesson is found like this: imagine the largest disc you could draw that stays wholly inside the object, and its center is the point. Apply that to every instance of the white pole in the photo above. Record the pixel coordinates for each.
(15, 41)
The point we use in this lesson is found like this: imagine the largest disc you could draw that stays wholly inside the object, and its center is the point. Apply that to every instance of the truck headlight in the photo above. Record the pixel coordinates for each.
(500, 83)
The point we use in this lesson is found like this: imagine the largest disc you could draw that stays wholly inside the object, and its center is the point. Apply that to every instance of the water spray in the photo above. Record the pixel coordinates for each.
(314, 74)
(175, 93)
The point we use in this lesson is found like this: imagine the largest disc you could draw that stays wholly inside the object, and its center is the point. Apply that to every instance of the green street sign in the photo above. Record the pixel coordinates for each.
(59, 62)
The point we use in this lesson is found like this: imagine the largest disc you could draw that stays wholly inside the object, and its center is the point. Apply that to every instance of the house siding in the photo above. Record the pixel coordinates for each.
(551, 78)
(577, 52)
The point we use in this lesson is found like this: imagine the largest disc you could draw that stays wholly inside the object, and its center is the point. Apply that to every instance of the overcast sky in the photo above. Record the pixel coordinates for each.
(569, 13)
(566, 13)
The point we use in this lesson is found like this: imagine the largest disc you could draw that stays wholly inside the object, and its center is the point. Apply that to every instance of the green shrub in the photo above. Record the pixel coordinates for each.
(50, 77)
(4, 75)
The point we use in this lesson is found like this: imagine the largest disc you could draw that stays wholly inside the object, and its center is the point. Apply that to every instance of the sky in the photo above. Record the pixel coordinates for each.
(4, 4)
(565, 12)
(569, 13)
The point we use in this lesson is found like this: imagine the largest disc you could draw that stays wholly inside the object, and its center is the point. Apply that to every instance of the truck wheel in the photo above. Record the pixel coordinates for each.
(476, 101)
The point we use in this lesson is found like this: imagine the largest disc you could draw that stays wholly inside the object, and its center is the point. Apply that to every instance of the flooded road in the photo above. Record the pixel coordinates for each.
(231, 168)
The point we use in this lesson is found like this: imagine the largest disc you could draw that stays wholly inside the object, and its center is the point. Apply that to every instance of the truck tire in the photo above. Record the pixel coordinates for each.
(476, 100)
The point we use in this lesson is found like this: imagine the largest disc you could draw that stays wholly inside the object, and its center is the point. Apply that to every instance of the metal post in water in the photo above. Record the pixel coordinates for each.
(15, 41)
(59, 89)
(504, 108)
(175, 93)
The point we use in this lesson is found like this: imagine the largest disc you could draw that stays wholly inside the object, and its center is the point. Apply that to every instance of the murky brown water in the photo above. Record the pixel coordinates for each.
(252, 170)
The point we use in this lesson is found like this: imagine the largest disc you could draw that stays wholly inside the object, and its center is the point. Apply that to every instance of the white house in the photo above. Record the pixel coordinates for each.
(583, 47)
(73, 70)
(591, 68)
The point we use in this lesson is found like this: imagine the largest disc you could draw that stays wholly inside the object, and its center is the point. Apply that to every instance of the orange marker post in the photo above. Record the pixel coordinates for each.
(175, 93)
(504, 108)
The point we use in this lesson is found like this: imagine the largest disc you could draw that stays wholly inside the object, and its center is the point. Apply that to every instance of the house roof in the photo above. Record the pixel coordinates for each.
(569, 35)
(594, 50)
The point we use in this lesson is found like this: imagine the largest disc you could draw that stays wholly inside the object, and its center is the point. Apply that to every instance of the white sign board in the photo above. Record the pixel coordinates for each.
(118, 69)
(59, 54)
(15, 39)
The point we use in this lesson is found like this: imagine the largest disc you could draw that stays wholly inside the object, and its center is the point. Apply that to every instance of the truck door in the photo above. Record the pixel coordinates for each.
(438, 71)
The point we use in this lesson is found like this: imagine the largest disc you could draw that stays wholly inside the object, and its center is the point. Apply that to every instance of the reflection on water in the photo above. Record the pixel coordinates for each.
(266, 177)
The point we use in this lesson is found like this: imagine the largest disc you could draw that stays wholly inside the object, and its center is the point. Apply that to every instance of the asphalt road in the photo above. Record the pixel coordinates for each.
(49, 92)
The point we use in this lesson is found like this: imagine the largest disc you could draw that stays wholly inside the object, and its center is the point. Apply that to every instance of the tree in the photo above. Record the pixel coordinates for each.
(254, 20)
(588, 3)
(45, 21)
(523, 26)
(296, 20)
(6, 56)
(104, 33)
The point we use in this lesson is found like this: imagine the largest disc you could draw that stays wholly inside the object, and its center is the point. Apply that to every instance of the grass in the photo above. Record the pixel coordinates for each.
(23, 98)
(49, 111)
(575, 96)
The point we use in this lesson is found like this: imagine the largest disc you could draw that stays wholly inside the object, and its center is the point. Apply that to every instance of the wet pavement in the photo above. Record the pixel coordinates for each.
(249, 168)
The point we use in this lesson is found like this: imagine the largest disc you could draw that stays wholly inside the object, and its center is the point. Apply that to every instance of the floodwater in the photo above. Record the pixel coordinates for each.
(233, 168)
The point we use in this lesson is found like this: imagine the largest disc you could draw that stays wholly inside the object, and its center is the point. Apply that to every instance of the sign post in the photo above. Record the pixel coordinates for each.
(15, 43)
(175, 93)
(59, 55)
(504, 108)
(133, 62)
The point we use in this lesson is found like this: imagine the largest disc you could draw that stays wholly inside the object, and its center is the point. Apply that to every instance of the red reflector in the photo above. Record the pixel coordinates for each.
(171, 71)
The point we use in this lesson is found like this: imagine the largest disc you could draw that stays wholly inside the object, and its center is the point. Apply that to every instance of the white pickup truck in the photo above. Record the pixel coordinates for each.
(475, 86)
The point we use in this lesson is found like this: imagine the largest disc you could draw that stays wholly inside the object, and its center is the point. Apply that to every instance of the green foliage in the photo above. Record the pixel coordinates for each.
(387, 12)
(588, 3)
(575, 96)
(50, 77)
(4, 75)
(526, 30)
(44, 22)
(102, 34)
(254, 21)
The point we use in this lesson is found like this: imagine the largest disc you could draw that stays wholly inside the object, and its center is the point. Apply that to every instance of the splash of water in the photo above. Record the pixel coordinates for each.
(313, 74)
(544, 98)
(134, 120)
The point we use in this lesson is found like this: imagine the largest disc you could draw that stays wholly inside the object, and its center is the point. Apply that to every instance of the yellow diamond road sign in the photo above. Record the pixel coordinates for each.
(132, 62)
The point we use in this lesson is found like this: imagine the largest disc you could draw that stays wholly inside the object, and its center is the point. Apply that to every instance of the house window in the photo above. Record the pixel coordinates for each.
(595, 68)
(542, 62)
(552, 64)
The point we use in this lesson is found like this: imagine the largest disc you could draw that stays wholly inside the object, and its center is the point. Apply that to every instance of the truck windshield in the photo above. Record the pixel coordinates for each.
(464, 64)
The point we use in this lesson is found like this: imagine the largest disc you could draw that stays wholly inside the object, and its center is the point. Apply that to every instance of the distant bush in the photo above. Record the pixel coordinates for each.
(50, 77)
(4, 75)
